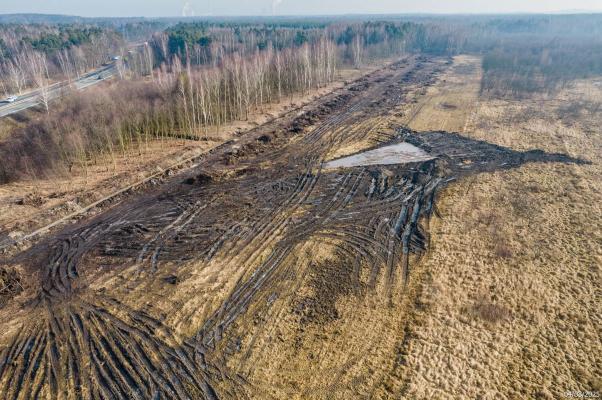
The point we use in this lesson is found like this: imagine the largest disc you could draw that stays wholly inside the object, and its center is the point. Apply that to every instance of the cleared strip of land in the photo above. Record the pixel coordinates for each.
(259, 273)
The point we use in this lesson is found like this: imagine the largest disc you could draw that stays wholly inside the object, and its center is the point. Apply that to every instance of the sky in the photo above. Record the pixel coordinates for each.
(158, 8)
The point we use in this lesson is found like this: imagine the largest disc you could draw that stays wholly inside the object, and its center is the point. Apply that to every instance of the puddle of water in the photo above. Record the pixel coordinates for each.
(399, 153)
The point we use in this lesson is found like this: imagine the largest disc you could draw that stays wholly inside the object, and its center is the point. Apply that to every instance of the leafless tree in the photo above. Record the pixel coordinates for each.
(357, 48)
(66, 64)
(17, 73)
(38, 68)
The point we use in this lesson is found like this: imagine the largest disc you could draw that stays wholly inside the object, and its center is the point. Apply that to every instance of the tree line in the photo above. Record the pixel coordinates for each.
(191, 79)
(170, 93)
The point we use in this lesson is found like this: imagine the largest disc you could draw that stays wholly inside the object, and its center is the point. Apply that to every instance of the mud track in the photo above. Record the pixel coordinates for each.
(248, 214)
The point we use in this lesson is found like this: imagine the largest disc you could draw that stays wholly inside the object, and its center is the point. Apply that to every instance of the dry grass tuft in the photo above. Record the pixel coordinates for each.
(10, 284)
(488, 311)
(502, 250)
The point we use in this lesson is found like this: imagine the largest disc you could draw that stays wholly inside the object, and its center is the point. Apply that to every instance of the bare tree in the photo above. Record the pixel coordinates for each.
(38, 68)
(80, 62)
(148, 52)
(357, 51)
(66, 65)
(279, 74)
(120, 68)
(2, 81)
(17, 74)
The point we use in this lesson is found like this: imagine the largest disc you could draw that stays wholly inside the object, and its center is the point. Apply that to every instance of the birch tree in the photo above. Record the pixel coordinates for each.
(38, 67)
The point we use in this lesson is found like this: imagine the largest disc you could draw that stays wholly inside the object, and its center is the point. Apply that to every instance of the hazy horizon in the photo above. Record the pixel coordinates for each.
(165, 8)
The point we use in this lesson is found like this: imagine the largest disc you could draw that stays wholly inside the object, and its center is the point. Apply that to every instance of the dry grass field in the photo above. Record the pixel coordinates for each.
(509, 303)
(258, 273)
(504, 305)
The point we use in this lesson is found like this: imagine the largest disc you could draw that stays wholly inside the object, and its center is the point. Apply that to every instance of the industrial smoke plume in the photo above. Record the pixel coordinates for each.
(275, 4)
(187, 10)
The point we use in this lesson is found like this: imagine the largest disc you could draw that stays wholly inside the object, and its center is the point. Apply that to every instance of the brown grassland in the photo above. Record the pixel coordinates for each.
(257, 275)
(510, 288)
(504, 305)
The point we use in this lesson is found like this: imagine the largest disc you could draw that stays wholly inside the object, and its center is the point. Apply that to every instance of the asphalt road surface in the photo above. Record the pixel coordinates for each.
(32, 99)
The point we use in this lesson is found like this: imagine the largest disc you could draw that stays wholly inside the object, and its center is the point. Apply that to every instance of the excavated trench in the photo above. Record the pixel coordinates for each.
(253, 208)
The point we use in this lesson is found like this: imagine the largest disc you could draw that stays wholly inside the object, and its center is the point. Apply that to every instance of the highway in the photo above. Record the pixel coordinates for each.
(32, 99)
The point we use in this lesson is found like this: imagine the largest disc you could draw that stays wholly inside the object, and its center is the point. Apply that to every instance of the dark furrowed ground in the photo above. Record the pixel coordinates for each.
(160, 296)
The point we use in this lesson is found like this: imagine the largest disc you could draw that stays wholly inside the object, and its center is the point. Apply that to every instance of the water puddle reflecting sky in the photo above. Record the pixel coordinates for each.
(399, 153)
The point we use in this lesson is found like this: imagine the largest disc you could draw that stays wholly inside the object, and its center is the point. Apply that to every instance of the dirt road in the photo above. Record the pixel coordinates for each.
(219, 284)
